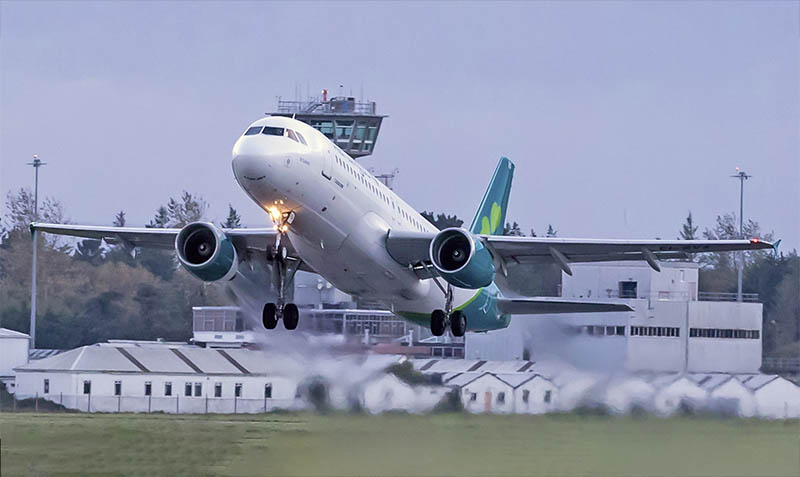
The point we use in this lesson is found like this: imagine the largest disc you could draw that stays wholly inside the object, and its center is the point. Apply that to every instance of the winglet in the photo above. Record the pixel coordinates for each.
(775, 246)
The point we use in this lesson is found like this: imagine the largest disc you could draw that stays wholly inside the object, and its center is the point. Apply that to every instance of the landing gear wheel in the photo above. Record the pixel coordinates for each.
(458, 323)
(291, 316)
(270, 316)
(438, 323)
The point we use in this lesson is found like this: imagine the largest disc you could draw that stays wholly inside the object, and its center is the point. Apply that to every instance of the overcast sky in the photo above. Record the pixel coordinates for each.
(621, 117)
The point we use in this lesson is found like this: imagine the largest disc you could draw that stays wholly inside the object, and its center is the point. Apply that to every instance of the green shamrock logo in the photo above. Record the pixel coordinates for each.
(486, 226)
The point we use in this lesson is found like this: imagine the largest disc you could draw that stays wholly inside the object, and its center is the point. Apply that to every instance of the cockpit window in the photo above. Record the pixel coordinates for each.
(301, 138)
(292, 135)
(271, 131)
(253, 130)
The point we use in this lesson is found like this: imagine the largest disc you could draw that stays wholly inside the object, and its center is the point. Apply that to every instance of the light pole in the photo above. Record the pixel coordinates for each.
(742, 176)
(37, 163)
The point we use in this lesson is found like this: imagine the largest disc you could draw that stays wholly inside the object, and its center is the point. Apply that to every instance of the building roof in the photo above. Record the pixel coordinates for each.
(182, 359)
(471, 366)
(34, 354)
(755, 382)
(5, 333)
(710, 381)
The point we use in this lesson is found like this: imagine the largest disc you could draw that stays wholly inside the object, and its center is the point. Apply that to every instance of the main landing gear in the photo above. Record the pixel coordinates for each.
(455, 319)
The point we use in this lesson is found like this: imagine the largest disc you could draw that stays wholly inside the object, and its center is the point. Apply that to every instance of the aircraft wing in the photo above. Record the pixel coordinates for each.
(545, 305)
(246, 240)
(411, 249)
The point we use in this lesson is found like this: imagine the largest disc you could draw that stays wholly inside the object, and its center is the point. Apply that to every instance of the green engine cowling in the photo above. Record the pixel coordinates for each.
(462, 259)
(206, 252)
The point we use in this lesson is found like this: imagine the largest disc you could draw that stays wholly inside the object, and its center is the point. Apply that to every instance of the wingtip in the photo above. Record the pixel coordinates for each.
(775, 246)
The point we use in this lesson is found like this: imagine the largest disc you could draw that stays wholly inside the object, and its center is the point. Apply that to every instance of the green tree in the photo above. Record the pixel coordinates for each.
(90, 251)
(160, 219)
(187, 209)
(119, 219)
(688, 229)
(513, 229)
(234, 220)
(442, 221)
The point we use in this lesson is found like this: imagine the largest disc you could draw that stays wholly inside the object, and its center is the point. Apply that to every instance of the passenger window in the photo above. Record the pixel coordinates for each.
(253, 131)
(271, 131)
(301, 138)
(291, 135)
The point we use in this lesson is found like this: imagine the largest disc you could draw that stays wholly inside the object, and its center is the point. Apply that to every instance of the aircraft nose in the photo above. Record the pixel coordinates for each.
(248, 166)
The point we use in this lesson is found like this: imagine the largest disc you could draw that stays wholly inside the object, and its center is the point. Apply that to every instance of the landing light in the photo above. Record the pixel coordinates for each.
(274, 213)
(754, 240)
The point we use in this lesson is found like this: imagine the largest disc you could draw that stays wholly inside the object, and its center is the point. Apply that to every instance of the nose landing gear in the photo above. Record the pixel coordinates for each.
(284, 268)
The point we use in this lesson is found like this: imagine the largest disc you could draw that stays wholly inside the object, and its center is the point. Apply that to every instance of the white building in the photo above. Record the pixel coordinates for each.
(673, 328)
(776, 397)
(675, 392)
(149, 377)
(13, 353)
(726, 394)
(505, 393)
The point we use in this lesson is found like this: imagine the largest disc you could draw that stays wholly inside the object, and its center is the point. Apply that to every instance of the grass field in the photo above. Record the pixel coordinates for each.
(451, 444)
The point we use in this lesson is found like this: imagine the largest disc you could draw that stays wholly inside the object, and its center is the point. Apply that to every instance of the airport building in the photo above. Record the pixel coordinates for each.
(673, 328)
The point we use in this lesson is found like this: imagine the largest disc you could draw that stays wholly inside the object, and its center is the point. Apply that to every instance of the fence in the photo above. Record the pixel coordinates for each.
(781, 365)
(147, 404)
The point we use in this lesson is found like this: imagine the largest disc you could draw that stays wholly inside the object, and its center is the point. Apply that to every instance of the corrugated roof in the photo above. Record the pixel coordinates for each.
(464, 378)
(159, 360)
(710, 381)
(758, 381)
(515, 380)
(34, 354)
(6, 333)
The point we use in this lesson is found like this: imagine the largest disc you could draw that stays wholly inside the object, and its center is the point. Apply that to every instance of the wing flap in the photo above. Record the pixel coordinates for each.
(546, 305)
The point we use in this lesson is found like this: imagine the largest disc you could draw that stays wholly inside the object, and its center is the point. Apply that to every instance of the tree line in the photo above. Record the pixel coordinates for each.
(90, 292)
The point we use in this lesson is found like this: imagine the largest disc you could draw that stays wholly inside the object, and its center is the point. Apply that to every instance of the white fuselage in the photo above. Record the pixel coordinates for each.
(342, 215)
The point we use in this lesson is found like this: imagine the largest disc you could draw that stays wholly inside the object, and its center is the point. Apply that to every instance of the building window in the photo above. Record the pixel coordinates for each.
(473, 396)
(148, 388)
(548, 395)
(627, 289)
(525, 395)
(268, 390)
(117, 388)
(187, 389)
(168, 389)
(218, 390)
(620, 331)
(198, 389)
(501, 397)
(87, 387)
(723, 333)
(237, 390)
(46, 386)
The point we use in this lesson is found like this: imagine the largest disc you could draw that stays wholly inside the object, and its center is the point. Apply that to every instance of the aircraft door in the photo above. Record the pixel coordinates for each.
(326, 165)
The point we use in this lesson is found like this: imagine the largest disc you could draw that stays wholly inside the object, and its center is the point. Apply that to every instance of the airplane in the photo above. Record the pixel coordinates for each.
(332, 217)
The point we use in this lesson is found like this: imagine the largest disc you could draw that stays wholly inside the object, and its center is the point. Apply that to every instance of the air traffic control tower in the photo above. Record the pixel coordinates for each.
(351, 124)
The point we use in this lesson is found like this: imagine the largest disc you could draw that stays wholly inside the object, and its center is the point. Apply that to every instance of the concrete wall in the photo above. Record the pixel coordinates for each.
(67, 388)
(732, 355)
(13, 353)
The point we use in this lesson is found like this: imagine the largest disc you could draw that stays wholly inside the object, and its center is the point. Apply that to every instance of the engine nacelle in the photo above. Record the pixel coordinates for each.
(206, 252)
(461, 259)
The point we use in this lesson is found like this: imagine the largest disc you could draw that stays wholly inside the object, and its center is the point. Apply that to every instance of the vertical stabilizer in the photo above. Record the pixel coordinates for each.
(491, 215)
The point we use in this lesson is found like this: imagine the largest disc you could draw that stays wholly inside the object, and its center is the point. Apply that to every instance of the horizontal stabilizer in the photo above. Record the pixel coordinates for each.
(545, 305)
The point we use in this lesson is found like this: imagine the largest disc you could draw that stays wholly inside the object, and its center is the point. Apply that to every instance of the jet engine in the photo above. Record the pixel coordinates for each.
(206, 252)
(462, 259)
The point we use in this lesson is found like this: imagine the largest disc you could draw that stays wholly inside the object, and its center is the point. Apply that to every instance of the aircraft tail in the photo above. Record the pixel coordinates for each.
(491, 216)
